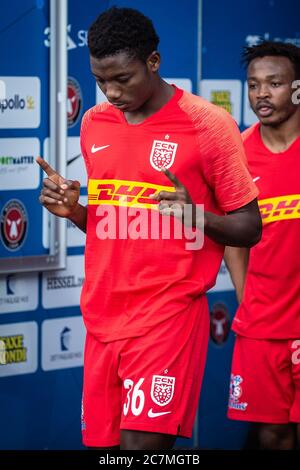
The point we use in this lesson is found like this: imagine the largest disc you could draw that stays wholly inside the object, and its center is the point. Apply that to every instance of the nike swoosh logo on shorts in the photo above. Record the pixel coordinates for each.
(256, 179)
(96, 149)
(152, 413)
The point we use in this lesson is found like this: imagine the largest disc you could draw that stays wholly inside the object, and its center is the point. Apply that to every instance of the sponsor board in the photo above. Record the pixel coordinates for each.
(75, 39)
(249, 117)
(223, 282)
(74, 102)
(75, 163)
(75, 171)
(18, 292)
(219, 323)
(75, 236)
(21, 106)
(224, 93)
(62, 343)
(18, 169)
(63, 288)
(2, 90)
(18, 348)
(13, 225)
(184, 83)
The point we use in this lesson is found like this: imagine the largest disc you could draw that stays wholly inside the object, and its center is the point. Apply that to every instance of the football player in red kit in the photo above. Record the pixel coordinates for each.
(150, 150)
(265, 375)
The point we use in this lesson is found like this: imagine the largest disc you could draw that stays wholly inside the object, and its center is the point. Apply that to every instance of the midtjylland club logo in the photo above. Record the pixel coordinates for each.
(74, 103)
(13, 224)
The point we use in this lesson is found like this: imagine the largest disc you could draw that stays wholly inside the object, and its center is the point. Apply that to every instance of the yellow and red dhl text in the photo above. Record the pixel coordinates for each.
(280, 208)
(124, 193)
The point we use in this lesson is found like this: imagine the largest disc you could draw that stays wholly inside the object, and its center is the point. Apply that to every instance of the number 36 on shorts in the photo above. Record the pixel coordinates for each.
(161, 393)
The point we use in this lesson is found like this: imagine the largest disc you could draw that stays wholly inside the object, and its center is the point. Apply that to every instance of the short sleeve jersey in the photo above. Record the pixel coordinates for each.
(135, 275)
(271, 304)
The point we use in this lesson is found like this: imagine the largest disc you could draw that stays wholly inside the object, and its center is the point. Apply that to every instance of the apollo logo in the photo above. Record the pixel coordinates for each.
(15, 103)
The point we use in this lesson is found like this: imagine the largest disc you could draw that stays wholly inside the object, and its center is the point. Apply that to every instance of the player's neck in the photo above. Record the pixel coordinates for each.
(162, 93)
(280, 138)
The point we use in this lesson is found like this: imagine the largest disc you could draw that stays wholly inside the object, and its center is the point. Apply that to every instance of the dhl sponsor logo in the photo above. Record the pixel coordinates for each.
(124, 193)
(280, 208)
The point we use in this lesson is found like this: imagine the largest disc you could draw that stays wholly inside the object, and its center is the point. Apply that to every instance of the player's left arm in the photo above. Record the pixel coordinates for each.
(241, 227)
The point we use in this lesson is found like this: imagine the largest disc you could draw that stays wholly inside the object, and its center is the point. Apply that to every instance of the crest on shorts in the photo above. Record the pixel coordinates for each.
(162, 154)
(162, 389)
(235, 393)
(83, 425)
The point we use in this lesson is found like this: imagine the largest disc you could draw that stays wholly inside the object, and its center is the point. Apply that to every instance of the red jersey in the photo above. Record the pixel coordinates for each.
(135, 282)
(271, 304)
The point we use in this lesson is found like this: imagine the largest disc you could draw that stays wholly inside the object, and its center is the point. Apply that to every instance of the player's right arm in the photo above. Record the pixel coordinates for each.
(60, 196)
(236, 260)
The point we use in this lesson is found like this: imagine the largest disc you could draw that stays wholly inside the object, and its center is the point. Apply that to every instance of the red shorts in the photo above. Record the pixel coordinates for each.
(265, 381)
(150, 383)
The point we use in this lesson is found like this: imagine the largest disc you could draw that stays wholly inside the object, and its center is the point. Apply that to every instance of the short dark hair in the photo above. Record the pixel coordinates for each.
(274, 48)
(122, 30)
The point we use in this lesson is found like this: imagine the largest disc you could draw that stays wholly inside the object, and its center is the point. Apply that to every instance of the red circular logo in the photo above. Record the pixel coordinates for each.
(74, 103)
(14, 224)
(219, 323)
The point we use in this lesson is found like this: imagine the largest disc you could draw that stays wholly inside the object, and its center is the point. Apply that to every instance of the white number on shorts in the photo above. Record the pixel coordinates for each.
(128, 383)
(137, 399)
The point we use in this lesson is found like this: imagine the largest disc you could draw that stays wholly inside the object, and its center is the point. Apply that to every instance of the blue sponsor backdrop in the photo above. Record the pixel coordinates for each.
(41, 410)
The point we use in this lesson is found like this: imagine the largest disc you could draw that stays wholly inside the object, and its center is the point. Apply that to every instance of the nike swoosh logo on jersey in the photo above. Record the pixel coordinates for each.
(256, 179)
(152, 413)
(96, 149)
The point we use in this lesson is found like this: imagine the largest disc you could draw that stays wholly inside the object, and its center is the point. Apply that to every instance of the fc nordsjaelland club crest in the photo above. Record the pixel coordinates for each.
(162, 389)
(162, 154)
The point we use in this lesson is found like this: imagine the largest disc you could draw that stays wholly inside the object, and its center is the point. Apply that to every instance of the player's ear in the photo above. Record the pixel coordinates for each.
(153, 61)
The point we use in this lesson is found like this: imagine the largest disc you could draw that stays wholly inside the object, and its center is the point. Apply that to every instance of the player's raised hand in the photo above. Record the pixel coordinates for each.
(58, 195)
(178, 202)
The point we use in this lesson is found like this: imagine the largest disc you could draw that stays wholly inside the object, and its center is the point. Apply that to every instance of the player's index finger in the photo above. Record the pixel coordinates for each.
(46, 167)
(172, 177)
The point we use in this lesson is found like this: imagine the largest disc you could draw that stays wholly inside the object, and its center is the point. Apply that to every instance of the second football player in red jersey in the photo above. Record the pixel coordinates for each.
(265, 376)
(143, 300)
